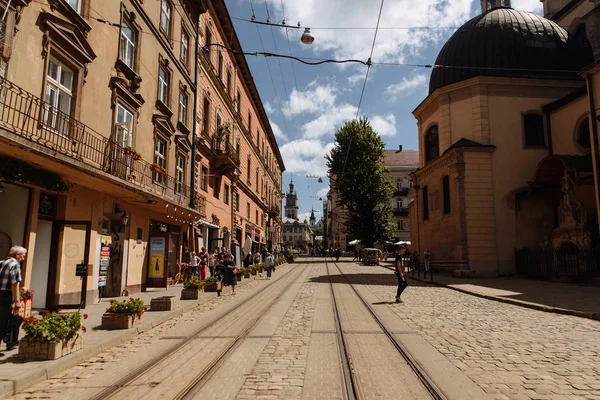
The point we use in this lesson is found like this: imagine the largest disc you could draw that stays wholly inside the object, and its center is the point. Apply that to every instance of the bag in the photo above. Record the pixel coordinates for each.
(236, 271)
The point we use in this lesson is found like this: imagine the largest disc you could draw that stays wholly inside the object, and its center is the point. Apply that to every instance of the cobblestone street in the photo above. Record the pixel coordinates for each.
(279, 339)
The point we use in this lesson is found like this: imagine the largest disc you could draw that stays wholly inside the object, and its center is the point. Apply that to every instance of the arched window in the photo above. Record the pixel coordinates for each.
(432, 144)
(583, 134)
(533, 124)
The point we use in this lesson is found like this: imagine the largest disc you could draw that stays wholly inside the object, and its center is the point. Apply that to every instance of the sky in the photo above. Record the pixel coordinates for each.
(306, 104)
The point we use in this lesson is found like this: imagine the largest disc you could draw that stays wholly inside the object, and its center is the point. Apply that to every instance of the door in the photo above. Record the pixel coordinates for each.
(70, 247)
(41, 262)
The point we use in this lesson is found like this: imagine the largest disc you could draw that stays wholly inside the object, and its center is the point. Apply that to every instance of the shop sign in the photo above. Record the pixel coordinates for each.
(157, 257)
(105, 242)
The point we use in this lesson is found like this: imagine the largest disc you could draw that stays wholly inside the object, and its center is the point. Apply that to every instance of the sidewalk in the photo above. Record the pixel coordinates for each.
(580, 300)
(16, 375)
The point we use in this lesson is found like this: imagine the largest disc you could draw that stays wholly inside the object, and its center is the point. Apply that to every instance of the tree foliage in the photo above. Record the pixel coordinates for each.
(360, 180)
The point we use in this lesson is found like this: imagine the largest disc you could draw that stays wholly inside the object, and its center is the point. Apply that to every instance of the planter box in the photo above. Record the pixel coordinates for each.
(211, 287)
(30, 351)
(25, 312)
(240, 276)
(254, 272)
(164, 303)
(112, 321)
(190, 294)
(247, 275)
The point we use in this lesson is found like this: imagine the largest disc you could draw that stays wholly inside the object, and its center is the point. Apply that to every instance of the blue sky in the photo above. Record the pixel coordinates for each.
(306, 104)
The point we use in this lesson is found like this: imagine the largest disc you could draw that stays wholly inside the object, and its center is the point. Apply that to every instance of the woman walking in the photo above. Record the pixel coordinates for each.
(269, 264)
(203, 263)
(230, 276)
(194, 265)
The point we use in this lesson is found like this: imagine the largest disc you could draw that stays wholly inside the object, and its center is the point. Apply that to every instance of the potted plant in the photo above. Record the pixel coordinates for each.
(132, 152)
(254, 270)
(123, 314)
(211, 284)
(191, 289)
(158, 169)
(27, 298)
(52, 336)
(247, 272)
(241, 273)
(261, 267)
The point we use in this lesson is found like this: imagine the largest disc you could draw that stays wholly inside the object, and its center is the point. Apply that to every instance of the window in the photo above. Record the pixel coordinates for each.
(248, 211)
(398, 203)
(533, 125)
(59, 92)
(160, 152)
(123, 127)
(127, 45)
(446, 193)
(204, 178)
(228, 82)
(583, 134)
(238, 105)
(256, 213)
(249, 122)
(219, 120)
(163, 85)
(257, 183)
(75, 4)
(237, 202)
(208, 36)
(432, 145)
(226, 194)
(180, 174)
(220, 66)
(206, 116)
(165, 16)
(183, 103)
(399, 226)
(248, 171)
(425, 203)
(406, 225)
(185, 47)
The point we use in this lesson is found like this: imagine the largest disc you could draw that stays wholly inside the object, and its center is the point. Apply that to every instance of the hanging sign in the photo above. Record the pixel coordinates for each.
(105, 242)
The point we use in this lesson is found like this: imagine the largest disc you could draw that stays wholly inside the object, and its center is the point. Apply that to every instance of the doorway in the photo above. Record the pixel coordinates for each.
(41, 262)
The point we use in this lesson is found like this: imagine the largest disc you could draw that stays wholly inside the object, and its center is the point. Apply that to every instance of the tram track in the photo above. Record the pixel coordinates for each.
(192, 387)
(351, 381)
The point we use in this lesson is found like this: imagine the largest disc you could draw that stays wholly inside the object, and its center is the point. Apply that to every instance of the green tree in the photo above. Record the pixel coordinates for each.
(359, 178)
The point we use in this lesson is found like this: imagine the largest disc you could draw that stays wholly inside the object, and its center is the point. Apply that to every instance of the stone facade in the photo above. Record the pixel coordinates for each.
(400, 164)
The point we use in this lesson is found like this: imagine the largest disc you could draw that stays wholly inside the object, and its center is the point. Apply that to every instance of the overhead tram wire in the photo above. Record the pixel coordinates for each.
(362, 93)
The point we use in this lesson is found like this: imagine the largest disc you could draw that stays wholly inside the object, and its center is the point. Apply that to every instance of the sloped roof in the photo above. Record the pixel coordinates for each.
(403, 158)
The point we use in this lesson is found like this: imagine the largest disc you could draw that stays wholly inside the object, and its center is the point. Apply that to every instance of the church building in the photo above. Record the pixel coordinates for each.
(508, 151)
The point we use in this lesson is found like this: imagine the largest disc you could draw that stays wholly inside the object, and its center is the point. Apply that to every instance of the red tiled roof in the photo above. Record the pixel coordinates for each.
(405, 157)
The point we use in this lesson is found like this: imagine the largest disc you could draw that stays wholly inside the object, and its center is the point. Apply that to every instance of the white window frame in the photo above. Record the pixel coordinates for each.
(51, 115)
(183, 102)
(185, 43)
(127, 44)
(163, 85)
(126, 126)
(77, 6)
(180, 169)
(165, 11)
(160, 158)
(204, 178)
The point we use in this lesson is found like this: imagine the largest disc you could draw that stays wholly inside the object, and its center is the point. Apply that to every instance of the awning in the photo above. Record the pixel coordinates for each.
(209, 224)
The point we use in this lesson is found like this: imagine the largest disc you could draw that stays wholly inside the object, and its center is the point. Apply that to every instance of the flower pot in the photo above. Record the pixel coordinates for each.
(190, 294)
(157, 169)
(128, 152)
(164, 303)
(113, 321)
(247, 275)
(254, 272)
(52, 350)
(211, 287)
(136, 156)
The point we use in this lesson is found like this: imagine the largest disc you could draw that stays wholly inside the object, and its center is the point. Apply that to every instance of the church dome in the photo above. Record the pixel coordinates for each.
(511, 43)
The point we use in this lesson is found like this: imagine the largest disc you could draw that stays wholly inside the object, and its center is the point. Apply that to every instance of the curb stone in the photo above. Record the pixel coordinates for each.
(515, 302)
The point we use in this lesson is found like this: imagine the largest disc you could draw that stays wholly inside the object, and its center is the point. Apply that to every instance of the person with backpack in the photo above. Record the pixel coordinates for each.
(398, 270)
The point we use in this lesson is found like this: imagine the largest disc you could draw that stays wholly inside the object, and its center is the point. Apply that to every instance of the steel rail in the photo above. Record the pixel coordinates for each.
(156, 361)
(427, 382)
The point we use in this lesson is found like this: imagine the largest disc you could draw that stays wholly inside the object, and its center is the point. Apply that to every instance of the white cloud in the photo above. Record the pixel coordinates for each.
(407, 86)
(306, 156)
(314, 99)
(277, 131)
(391, 44)
(269, 108)
(323, 192)
(384, 125)
(528, 5)
(329, 121)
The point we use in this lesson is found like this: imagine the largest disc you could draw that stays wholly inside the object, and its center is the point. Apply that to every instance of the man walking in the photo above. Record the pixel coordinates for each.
(269, 264)
(10, 277)
(402, 284)
(427, 256)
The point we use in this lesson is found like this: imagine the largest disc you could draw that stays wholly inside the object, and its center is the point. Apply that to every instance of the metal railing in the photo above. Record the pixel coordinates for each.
(563, 262)
(33, 119)
(401, 211)
(225, 148)
(401, 192)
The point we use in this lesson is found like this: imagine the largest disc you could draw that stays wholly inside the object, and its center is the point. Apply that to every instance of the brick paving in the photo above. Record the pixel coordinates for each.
(511, 352)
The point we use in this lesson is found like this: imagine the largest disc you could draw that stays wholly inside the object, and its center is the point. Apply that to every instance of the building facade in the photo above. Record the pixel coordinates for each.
(101, 165)
(508, 150)
(337, 216)
(400, 165)
(295, 233)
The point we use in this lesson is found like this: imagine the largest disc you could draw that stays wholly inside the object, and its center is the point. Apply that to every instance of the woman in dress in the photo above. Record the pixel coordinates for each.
(230, 276)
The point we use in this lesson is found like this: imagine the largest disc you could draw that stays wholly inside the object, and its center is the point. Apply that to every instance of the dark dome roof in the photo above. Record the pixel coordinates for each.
(501, 41)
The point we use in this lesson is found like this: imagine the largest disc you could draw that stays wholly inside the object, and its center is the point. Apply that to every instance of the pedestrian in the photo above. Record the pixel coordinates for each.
(256, 257)
(229, 274)
(402, 284)
(212, 262)
(427, 256)
(263, 253)
(222, 253)
(220, 269)
(355, 255)
(194, 261)
(415, 261)
(269, 264)
(10, 299)
(203, 263)
(337, 254)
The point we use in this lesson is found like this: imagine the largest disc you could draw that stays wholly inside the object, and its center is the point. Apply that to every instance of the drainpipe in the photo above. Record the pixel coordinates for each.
(595, 147)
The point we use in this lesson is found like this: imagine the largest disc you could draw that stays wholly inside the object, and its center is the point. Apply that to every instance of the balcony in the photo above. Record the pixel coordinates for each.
(401, 211)
(226, 158)
(38, 123)
(401, 192)
(274, 211)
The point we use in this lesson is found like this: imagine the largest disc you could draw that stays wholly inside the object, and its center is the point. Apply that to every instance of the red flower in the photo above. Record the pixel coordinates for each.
(84, 329)
(131, 299)
(26, 320)
(111, 309)
(139, 313)
(85, 316)
(35, 321)
(124, 301)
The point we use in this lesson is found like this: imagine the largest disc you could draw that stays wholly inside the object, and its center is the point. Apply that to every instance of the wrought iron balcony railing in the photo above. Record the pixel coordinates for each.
(33, 119)
(401, 211)
(225, 148)
(401, 192)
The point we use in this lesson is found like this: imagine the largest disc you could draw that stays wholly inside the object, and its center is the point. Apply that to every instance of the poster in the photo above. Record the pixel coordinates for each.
(157, 258)
(105, 242)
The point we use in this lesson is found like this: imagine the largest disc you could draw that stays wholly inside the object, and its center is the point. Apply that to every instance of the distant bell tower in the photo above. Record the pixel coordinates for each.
(312, 219)
(489, 4)
(291, 203)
